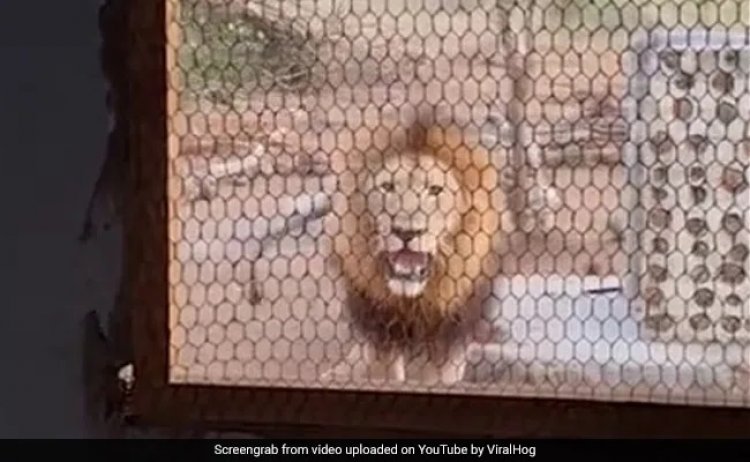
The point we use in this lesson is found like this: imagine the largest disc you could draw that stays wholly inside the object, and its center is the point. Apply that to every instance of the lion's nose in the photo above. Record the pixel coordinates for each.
(406, 235)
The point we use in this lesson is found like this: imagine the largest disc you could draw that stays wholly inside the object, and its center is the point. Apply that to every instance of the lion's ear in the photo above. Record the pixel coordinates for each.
(472, 221)
(416, 137)
(458, 147)
(440, 139)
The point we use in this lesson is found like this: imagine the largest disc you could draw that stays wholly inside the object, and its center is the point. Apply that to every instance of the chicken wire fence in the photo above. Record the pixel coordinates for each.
(525, 198)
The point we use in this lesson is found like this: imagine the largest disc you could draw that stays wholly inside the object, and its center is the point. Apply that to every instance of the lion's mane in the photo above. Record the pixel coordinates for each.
(466, 259)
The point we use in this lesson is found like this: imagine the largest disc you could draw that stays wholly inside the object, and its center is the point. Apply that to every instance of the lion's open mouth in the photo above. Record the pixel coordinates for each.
(408, 265)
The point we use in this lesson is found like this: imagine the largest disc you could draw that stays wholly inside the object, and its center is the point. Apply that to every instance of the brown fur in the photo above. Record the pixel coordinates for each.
(444, 312)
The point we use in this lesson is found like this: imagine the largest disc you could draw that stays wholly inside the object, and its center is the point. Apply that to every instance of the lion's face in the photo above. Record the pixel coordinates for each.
(415, 227)
(414, 204)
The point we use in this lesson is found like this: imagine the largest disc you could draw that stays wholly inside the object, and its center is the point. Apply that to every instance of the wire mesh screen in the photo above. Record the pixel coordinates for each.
(527, 198)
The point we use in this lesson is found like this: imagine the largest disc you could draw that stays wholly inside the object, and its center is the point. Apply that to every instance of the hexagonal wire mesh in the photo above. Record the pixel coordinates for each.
(540, 198)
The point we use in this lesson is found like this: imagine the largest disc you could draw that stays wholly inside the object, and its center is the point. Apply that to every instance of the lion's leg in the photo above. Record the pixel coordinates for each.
(384, 364)
(441, 367)
(453, 372)
(366, 362)
(447, 373)
(397, 369)
(348, 368)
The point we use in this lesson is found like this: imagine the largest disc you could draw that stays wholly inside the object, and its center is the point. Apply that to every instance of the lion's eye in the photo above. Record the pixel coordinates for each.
(435, 190)
(386, 186)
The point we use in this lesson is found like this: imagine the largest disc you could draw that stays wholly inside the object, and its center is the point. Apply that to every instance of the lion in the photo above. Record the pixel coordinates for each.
(418, 224)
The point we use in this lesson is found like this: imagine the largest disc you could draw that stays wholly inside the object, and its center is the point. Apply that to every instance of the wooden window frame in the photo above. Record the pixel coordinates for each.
(313, 411)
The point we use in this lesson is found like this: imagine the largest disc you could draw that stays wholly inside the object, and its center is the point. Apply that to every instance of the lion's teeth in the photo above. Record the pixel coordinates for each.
(402, 269)
(407, 270)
